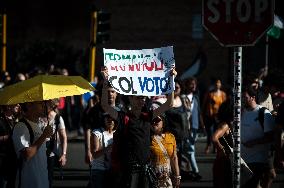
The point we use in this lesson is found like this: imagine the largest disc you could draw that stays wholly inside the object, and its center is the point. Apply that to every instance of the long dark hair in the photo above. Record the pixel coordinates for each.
(225, 112)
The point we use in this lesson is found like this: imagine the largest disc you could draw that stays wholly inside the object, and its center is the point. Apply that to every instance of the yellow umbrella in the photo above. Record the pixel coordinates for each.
(44, 87)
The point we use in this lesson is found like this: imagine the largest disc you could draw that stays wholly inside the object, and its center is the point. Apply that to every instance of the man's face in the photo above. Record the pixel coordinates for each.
(255, 84)
(248, 100)
(111, 95)
(38, 108)
(191, 86)
(137, 101)
(17, 108)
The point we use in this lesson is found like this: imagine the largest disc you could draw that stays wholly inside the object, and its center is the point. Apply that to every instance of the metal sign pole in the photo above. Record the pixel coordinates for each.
(237, 116)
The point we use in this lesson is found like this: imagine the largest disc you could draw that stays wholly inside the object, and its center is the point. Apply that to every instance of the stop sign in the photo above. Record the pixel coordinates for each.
(237, 22)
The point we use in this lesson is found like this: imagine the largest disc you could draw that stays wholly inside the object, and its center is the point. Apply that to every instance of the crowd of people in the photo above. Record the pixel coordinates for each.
(137, 141)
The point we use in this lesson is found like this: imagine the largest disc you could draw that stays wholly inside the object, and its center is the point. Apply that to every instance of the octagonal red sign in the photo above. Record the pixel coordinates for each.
(237, 22)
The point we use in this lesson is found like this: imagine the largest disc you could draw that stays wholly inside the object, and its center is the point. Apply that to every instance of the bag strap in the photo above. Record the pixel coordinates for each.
(103, 138)
(31, 132)
(260, 117)
(227, 147)
(166, 155)
(56, 122)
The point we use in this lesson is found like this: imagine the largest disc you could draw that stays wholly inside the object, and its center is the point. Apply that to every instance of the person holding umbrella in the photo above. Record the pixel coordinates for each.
(29, 134)
(29, 139)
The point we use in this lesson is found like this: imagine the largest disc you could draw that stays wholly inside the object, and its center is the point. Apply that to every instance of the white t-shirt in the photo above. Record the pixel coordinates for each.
(194, 111)
(61, 125)
(34, 172)
(250, 130)
(105, 139)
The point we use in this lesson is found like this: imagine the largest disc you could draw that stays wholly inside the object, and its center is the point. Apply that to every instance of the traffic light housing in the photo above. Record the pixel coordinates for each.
(103, 26)
(1, 27)
(100, 28)
(3, 39)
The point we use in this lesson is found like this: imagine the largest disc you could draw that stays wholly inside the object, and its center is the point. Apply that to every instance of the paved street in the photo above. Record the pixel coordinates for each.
(76, 172)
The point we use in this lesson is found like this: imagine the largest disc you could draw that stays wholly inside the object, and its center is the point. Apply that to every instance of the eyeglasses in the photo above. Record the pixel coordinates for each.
(156, 120)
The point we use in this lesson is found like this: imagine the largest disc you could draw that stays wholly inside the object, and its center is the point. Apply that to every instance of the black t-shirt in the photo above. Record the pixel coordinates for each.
(136, 137)
(4, 130)
(7, 153)
(280, 115)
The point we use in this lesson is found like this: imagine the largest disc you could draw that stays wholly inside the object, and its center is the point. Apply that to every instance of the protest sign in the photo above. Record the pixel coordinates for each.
(140, 72)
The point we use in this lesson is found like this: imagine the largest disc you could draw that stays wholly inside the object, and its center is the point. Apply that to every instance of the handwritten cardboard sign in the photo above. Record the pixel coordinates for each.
(140, 72)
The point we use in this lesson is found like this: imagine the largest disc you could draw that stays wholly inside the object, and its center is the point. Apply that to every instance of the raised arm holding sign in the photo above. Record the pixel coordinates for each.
(131, 145)
(140, 72)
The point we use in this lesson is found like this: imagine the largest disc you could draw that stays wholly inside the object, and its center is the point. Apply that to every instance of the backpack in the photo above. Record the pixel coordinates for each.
(53, 140)
(260, 116)
(279, 155)
(31, 132)
(177, 121)
(272, 158)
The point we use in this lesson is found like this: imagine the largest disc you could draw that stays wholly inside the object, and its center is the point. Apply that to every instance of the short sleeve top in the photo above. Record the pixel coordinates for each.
(157, 155)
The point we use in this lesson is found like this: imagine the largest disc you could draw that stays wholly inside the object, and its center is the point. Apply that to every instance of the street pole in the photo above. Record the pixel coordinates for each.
(92, 63)
(4, 41)
(237, 116)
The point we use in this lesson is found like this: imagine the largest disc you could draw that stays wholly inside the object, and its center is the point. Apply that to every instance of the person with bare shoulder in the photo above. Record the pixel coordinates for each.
(223, 141)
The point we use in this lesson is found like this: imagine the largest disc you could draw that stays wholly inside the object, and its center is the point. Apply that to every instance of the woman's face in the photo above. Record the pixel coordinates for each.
(109, 122)
(177, 88)
(157, 125)
(12, 109)
(218, 84)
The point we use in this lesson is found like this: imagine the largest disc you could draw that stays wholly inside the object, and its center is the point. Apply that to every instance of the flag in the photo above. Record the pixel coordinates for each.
(277, 28)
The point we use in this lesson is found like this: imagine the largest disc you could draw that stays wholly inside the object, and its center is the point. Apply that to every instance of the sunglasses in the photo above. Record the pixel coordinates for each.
(156, 120)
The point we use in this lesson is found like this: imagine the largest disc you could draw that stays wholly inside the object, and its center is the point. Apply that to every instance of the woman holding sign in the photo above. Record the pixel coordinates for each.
(131, 145)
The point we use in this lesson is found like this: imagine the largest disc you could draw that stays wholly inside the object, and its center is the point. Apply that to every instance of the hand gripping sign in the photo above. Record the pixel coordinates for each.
(140, 72)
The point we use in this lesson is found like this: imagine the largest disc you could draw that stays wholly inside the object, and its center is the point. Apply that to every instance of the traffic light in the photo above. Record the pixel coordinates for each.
(100, 27)
(103, 26)
(1, 27)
